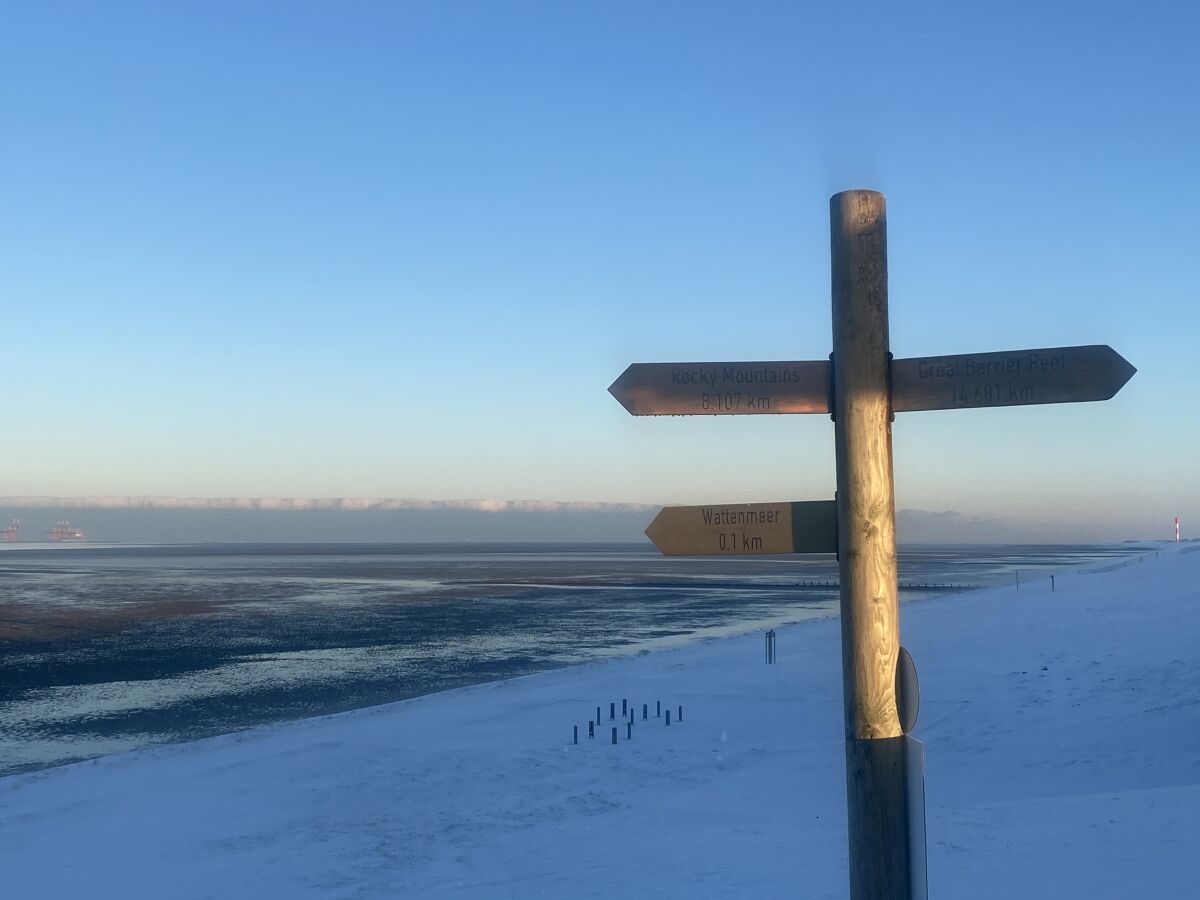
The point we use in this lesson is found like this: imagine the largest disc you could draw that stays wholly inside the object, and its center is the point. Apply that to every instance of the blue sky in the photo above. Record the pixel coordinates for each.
(401, 249)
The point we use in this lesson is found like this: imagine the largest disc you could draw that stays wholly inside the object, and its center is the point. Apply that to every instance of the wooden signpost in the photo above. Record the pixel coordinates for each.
(746, 528)
(723, 389)
(862, 387)
(1008, 378)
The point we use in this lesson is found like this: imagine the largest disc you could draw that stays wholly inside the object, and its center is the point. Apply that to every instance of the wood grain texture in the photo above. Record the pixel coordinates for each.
(888, 861)
(1009, 378)
(863, 445)
(724, 388)
(878, 801)
(738, 529)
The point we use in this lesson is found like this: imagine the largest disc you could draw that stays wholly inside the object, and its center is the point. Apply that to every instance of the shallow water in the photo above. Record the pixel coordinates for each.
(108, 649)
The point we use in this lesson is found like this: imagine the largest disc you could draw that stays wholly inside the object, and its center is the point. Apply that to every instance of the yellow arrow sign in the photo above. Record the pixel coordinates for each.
(746, 528)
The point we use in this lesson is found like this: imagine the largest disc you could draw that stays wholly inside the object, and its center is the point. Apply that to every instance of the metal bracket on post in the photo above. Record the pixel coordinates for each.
(837, 545)
(891, 406)
(832, 392)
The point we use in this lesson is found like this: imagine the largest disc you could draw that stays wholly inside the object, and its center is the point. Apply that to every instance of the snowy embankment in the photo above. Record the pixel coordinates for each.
(1062, 736)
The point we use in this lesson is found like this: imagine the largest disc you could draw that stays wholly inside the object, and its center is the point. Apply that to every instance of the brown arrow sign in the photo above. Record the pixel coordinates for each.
(723, 389)
(1008, 378)
(746, 528)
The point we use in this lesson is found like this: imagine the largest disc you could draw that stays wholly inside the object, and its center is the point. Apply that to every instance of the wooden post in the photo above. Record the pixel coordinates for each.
(876, 780)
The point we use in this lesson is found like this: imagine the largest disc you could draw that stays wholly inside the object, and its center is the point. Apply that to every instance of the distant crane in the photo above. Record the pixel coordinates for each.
(12, 533)
(62, 531)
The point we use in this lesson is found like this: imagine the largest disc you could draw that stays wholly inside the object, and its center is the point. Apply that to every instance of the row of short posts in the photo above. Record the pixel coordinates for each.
(628, 714)
(1018, 575)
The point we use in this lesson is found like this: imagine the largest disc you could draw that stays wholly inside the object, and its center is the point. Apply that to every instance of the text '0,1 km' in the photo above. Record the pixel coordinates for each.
(746, 528)
(1005, 378)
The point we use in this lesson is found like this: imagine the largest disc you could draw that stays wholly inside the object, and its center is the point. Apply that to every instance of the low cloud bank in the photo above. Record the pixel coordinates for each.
(922, 526)
(329, 504)
(317, 520)
(918, 525)
(367, 519)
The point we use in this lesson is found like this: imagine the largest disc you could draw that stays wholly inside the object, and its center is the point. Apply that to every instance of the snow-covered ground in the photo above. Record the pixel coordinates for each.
(1061, 731)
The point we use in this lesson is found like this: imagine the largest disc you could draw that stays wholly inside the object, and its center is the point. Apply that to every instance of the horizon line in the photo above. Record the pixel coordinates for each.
(334, 504)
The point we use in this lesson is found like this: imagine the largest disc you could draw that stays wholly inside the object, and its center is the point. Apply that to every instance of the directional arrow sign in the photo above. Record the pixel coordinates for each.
(723, 389)
(1009, 378)
(746, 528)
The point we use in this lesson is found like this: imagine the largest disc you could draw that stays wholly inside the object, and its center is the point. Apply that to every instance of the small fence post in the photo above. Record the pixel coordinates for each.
(591, 729)
(576, 727)
(645, 709)
(668, 718)
(614, 735)
(681, 712)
